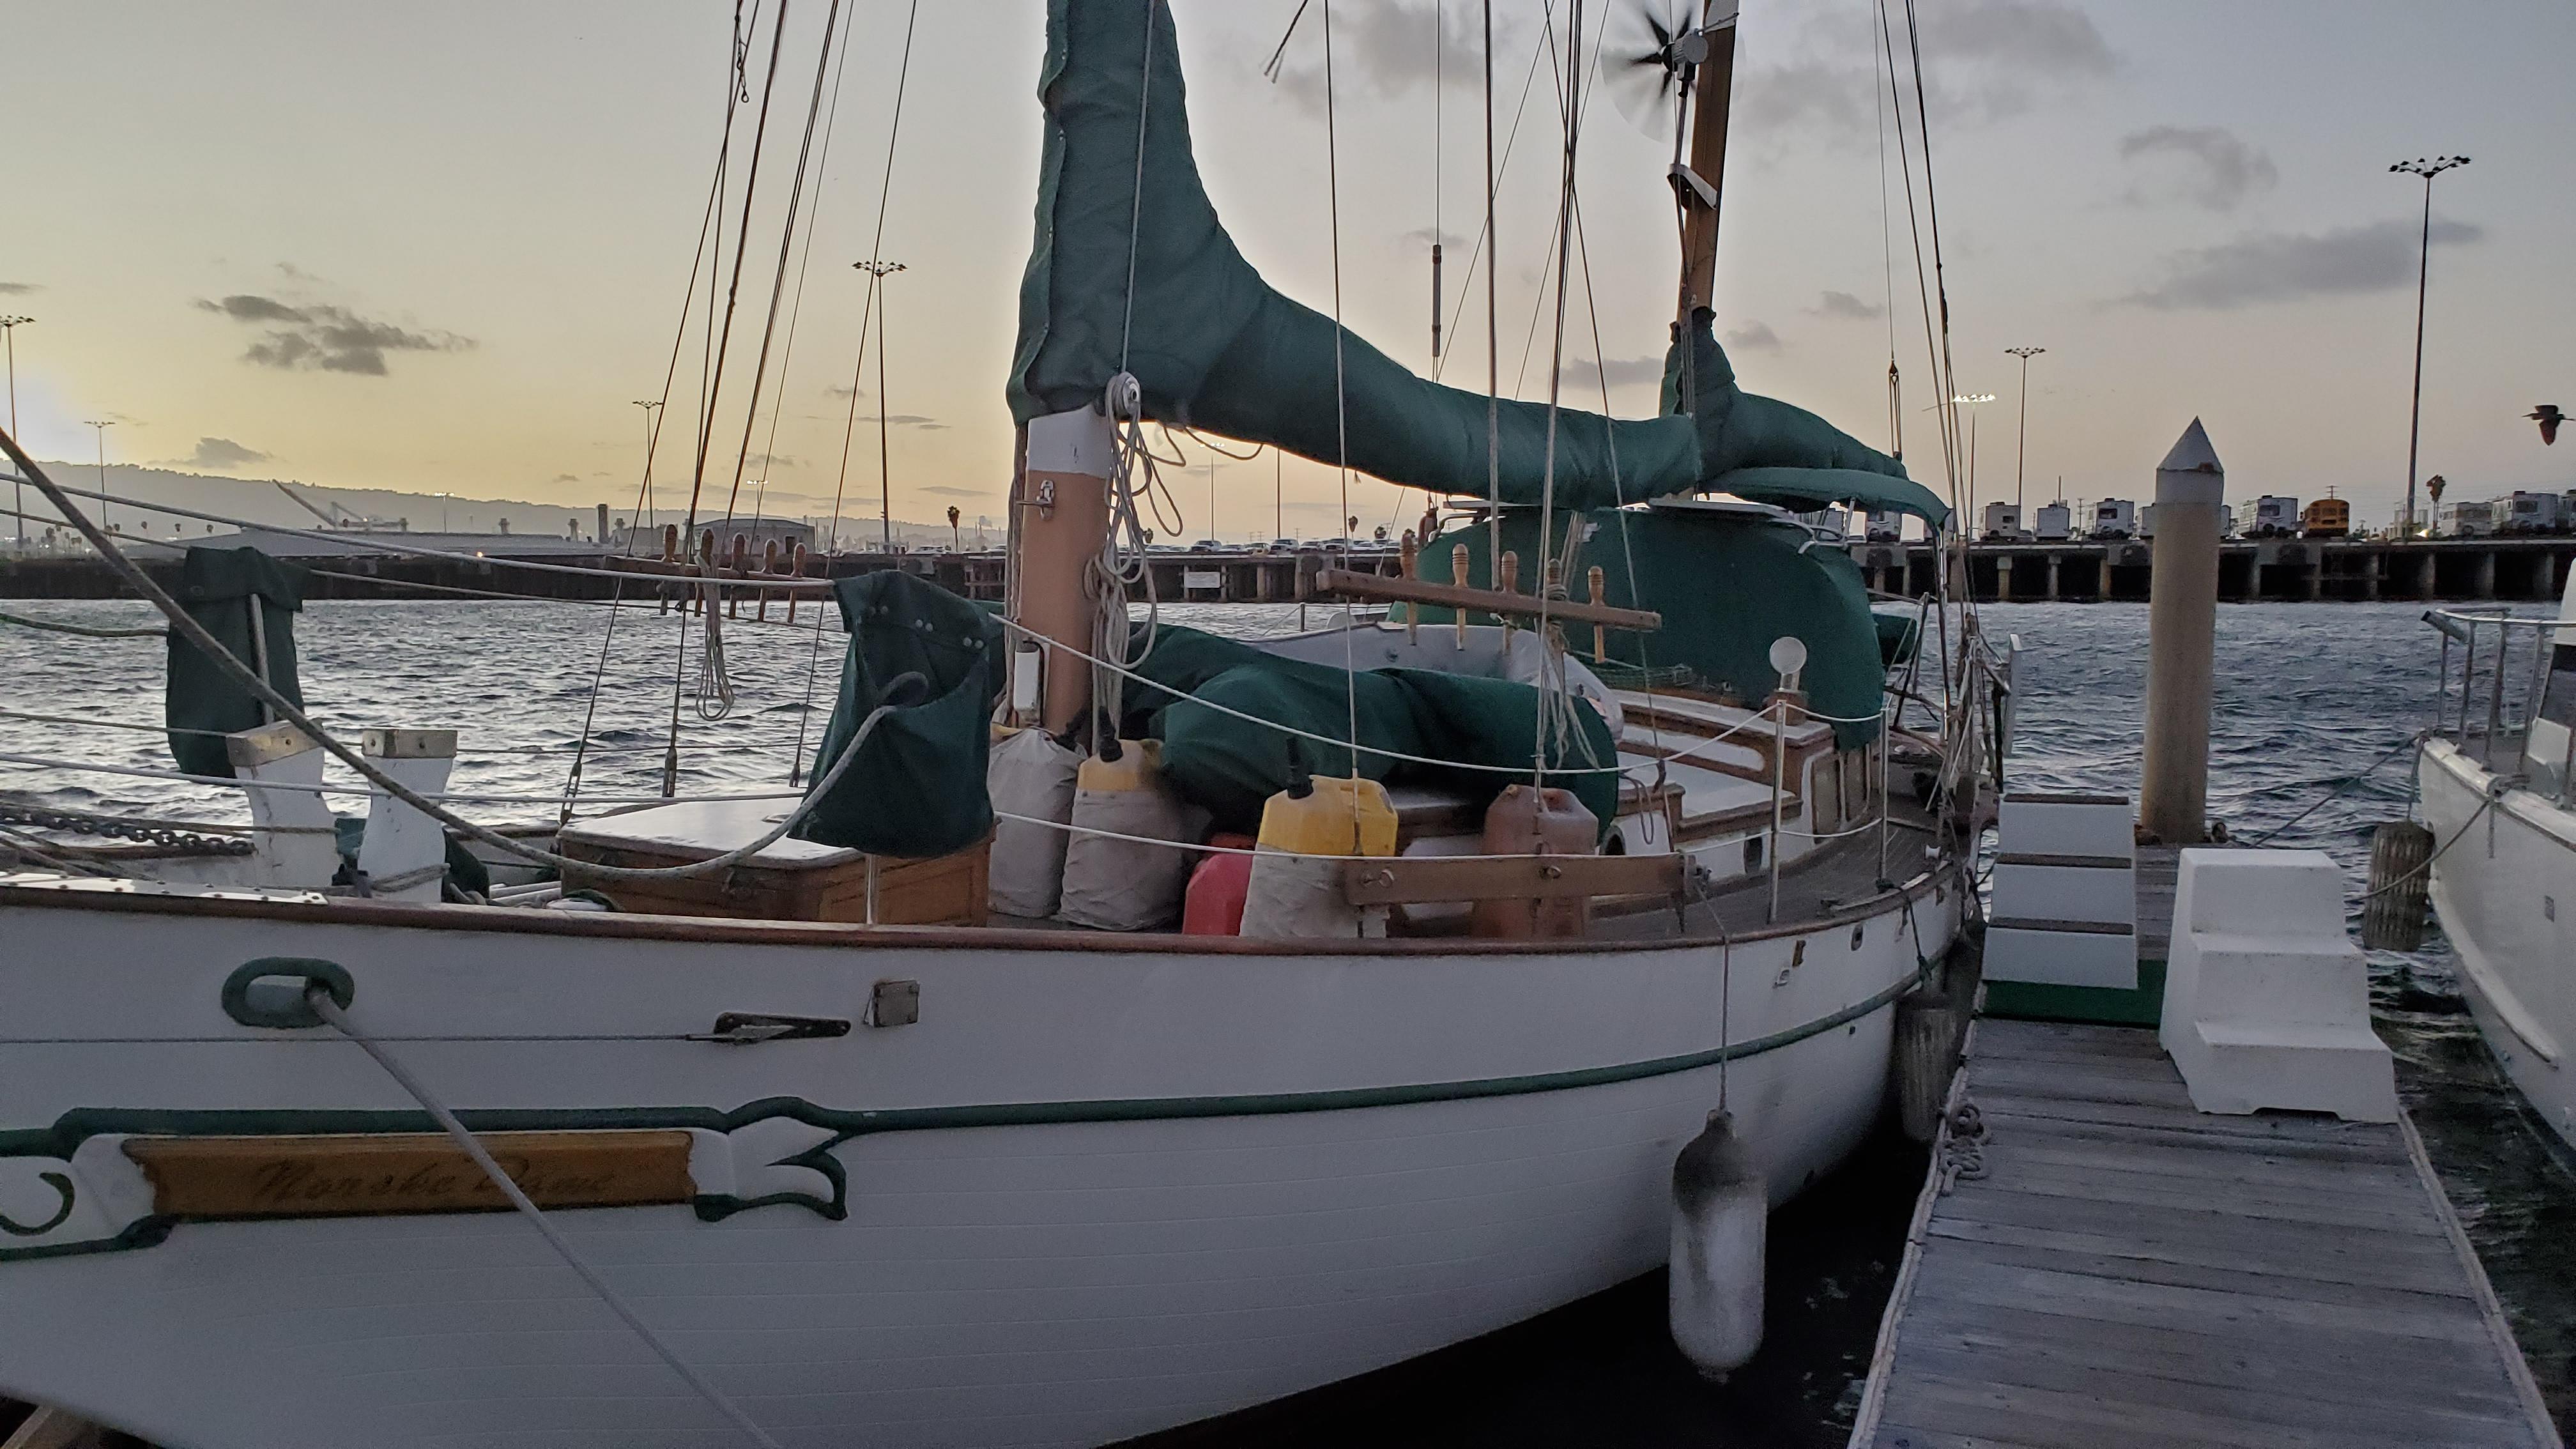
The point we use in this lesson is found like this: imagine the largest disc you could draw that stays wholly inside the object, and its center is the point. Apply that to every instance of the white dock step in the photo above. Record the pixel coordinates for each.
(2097, 889)
(2062, 953)
(2095, 825)
(2267, 1001)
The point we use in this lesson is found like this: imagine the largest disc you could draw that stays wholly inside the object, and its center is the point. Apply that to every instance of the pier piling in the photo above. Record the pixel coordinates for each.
(2182, 622)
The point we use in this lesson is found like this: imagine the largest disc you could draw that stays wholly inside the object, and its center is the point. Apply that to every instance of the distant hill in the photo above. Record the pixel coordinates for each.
(260, 500)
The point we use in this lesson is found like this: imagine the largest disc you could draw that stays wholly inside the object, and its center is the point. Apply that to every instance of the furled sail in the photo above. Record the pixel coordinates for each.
(1132, 272)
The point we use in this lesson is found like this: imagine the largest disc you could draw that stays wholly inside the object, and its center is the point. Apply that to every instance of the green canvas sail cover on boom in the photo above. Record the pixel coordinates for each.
(1214, 346)
(226, 589)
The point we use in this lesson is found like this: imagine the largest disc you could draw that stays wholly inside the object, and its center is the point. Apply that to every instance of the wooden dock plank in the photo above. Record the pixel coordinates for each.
(2128, 1272)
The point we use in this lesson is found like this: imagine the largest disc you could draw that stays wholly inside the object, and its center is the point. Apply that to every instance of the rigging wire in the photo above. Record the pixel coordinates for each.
(719, 346)
(1341, 398)
(786, 244)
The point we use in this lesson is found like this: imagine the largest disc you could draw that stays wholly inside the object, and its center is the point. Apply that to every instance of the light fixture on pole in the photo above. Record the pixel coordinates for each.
(9, 338)
(102, 425)
(878, 270)
(2022, 445)
(2428, 169)
(652, 435)
(1968, 400)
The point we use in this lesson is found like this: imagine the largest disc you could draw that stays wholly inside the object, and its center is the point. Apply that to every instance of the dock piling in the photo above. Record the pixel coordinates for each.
(2182, 622)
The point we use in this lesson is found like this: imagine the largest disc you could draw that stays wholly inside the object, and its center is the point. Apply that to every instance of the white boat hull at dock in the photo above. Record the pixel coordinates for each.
(1089, 1194)
(2506, 895)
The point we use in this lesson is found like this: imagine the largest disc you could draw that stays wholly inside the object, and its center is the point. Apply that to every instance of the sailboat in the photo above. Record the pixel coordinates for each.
(813, 1142)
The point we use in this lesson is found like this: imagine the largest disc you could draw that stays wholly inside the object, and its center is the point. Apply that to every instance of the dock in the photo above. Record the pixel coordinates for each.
(2094, 1262)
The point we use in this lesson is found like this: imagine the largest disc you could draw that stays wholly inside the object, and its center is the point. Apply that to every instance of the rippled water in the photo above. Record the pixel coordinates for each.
(2308, 697)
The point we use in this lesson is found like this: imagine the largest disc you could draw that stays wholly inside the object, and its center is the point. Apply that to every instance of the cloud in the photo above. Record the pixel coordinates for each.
(767, 461)
(907, 420)
(2285, 266)
(1423, 237)
(2206, 166)
(566, 478)
(1389, 49)
(1754, 337)
(325, 338)
(838, 391)
(18, 289)
(1844, 307)
(1621, 371)
(1982, 59)
(948, 492)
(219, 454)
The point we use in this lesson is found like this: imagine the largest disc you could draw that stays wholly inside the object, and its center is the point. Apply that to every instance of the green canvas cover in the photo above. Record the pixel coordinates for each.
(216, 587)
(1229, 765)
(1727, 585)
(917, 786)
(1214, 346)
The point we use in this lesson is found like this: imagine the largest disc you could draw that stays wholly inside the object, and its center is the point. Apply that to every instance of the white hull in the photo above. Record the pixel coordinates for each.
(1160, 1257)
(2506, 894)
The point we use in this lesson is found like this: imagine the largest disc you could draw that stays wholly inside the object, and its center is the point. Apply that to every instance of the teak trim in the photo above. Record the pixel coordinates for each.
(1429, 879)
(1492, 601)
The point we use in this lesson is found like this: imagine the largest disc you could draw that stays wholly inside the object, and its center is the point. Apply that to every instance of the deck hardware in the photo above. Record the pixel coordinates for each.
(750, 1028)
(269, 992)
(1860, 932)
(894, 1003)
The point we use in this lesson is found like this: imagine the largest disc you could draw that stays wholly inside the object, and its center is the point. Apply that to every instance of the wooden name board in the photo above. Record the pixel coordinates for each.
(406, 1172)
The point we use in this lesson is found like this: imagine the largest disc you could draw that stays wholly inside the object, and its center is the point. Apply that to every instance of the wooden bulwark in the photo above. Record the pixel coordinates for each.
(2111, 1267)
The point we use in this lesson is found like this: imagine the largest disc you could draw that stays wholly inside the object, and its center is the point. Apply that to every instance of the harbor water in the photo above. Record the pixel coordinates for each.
(2309, 697)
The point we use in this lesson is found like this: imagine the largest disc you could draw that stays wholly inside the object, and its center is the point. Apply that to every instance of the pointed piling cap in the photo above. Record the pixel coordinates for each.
(2191, 453)
(2191, 472)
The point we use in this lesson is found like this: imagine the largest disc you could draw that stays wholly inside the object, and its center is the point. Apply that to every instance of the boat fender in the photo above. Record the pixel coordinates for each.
(2392, 916)
(1721, 1211)
(1118, 873)
(1030, 774)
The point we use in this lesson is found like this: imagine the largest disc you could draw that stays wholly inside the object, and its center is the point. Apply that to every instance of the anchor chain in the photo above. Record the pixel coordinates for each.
(110, 827)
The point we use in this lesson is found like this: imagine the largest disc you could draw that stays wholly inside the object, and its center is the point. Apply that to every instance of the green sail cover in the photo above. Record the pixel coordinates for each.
(1727, 584)
(1229, 765)
(1213, 346)
(917, 786)
(217, 586)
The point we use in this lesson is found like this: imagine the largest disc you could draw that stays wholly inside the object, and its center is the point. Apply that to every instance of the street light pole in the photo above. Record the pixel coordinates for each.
(9, 338)
(2423, 272)
(879, 270)
(102, 425)
(2021, 445)
(651, 436)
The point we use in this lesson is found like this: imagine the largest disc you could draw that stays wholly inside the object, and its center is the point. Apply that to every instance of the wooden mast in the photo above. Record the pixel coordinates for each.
(1713, 92)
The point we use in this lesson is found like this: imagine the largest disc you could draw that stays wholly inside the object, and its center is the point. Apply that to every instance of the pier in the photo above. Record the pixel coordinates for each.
(2283, 570)
(2093, 1261)
(2277, 570)
(1229, 577)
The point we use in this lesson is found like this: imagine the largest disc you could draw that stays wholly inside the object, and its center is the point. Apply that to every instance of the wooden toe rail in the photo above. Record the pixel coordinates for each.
(1426, 880)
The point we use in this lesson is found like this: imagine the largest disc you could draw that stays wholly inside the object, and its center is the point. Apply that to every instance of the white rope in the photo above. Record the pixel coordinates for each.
(142, 772)
(329, 1010)
(715, 682)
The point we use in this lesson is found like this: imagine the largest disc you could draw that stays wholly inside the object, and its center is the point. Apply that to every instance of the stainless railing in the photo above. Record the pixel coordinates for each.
(2484, 691)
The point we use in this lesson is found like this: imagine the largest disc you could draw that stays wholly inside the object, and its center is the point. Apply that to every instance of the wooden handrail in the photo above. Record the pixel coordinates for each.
(1492, 601)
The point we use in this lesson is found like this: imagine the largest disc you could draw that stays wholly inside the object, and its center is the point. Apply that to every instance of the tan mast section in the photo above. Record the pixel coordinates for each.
(1064, 522)
(1716, 88)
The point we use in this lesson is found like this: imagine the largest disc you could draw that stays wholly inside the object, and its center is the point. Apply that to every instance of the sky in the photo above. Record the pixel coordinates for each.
(446, 248)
